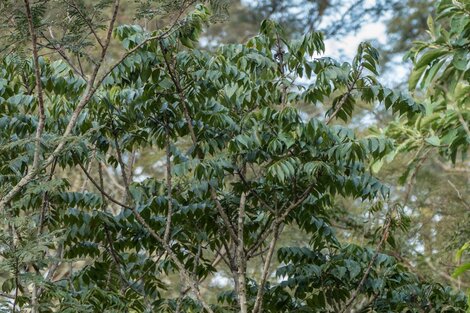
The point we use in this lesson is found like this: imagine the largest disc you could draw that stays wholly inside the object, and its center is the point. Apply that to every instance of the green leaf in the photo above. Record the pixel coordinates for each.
(433, 140)
(429, 56)
(460, 270)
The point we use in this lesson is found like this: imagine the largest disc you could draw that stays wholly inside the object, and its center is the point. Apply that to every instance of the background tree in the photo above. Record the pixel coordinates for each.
(440, 79)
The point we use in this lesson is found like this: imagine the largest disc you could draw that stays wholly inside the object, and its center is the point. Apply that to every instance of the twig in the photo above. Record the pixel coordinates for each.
(140, 45)
(102, 191)
(114, 256)
(385, 233)
(409, 186)
(45, 200)
(6, 295)
(278, 221)
(174, 77)
(224, 216)
(62, 53)
(169, 215)
(463, 122)
(87, 21)
(459, 195)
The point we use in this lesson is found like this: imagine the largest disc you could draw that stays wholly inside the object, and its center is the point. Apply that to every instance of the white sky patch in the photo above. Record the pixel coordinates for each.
(346, 46)
(437, 218)
(140, 178)
(138, 170)
(159, 164)
(221, 281)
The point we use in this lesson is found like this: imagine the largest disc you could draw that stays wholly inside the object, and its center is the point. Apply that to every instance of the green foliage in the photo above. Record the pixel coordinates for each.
(440, 76)
(253, 166)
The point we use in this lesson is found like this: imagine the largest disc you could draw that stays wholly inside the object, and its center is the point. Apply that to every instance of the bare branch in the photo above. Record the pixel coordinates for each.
(241, 258)
(169, 187)
(101, 190)
(87, 21)
(459, 195)
(258, 307)
(224, 215)
(278, 221)
(385, 233)
(37, 74)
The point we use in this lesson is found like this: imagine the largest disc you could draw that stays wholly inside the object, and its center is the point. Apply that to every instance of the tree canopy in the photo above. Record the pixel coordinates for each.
(240, 163)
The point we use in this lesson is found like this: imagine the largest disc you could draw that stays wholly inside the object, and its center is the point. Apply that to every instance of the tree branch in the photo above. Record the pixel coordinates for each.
(241, 256)
(278, 221)
(169, 187)
(102, 191)
(187, 276)
(37, 74)
(87, 21)
(224, 216)
(385, 233)
(258, 307)
(88, 93)
(343, 99)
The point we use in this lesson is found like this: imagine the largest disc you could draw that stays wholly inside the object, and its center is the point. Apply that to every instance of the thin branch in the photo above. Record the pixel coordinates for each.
(385, 233)
(39, 131)
(280, 56)
(140, 45)
(267, 226)
(112, 179)
(461, 169)
(61, 52)
(88, 93)
(53, 268)
(224, 216)
(258, 307)
(115, 258)
(459, 195)
(241, 256)
(187, 277)
(87, 21)
(174, 77)
(253, 191)
(169, 187)
(6, 295)
(124, 283)
(37, 74)
(102, 191)
(45, 200)
(278, 221)
(463, 122)
(343, 99)
(409, 186)
(214, 263)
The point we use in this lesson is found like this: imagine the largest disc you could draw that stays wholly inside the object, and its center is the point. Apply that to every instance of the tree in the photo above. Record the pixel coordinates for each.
(241, 165)
(440, 78)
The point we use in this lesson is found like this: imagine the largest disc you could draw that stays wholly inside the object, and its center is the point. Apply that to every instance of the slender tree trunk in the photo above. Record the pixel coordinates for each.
(241, 261)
